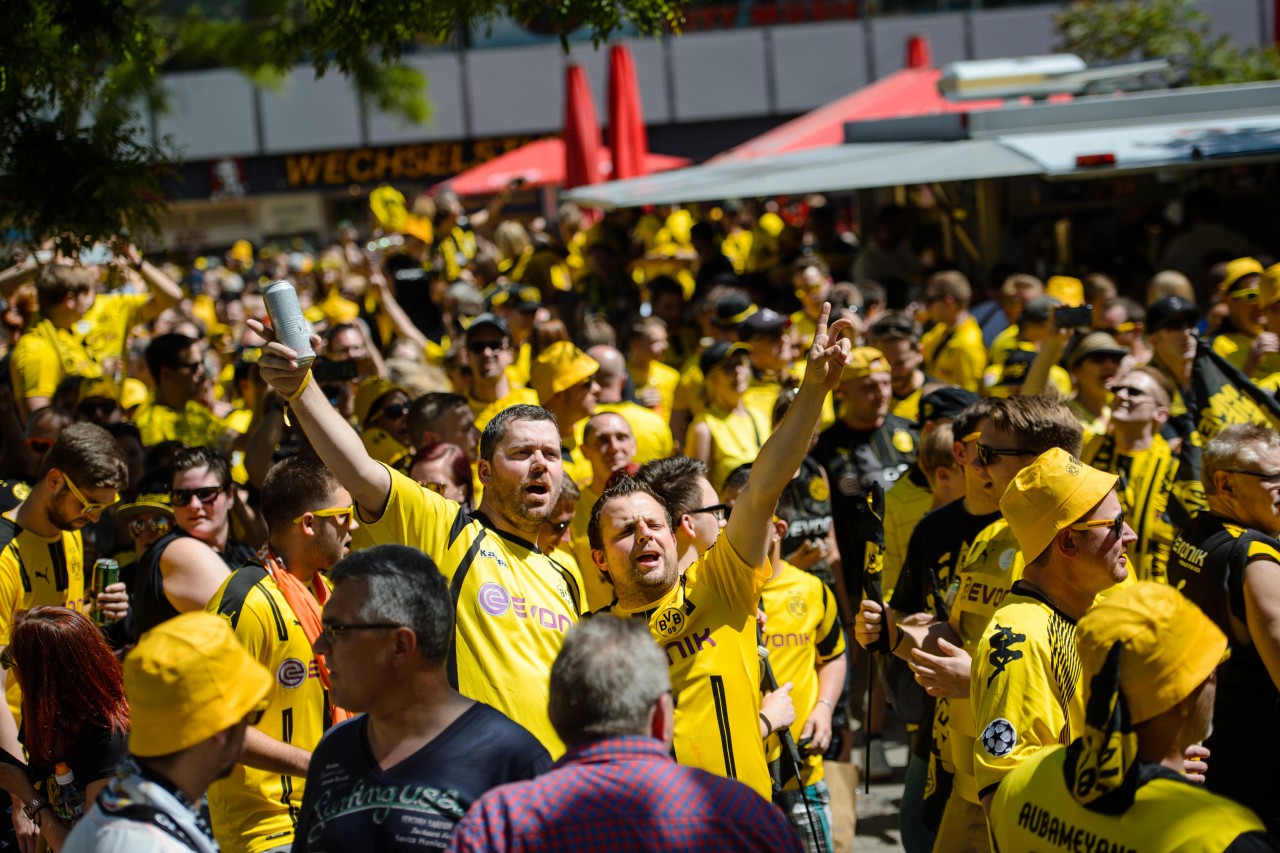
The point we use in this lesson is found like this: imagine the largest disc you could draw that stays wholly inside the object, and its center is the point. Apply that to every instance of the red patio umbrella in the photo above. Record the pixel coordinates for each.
(539, 164)
(582, 140)
(627, 134)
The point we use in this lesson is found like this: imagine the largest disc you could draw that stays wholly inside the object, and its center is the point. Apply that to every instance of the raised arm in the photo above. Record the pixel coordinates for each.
(334, 440)
(786, 448)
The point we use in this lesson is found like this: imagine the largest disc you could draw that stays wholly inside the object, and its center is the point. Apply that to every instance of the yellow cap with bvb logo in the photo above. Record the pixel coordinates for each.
(864, 361)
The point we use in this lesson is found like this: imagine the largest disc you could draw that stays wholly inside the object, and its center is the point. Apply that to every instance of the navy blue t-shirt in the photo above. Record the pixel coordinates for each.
(352, 804)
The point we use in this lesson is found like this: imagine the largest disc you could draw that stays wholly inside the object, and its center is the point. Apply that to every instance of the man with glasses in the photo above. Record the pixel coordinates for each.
(41, 550)
(1242, 339)
(1025, 686)
(1171, 324)
(176, 365)
(953, 347)
(618, 785)
(1226, 562)
(274, 606)
(489, 354)
(1015, 432)
(419, 751)
(1135, 451)
(193, 694)
(204, 498)
(382, 414)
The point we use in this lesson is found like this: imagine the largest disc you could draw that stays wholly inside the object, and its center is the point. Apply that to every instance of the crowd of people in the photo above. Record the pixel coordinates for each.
(583, 535)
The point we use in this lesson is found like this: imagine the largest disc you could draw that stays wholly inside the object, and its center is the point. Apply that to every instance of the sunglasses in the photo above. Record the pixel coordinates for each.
(1267, 479)
(1116, 524)
(478, 347)
(40, 445)
(987, 455)
(330, 631)
(88, 507)
(395, 412)
(341, 514)
(160, 525)
(720, 511)
(102, 407)
(1249, 296)
(204, 494)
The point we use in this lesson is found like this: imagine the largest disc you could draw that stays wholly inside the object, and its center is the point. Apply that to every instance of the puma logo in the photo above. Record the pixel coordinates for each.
(44, 575)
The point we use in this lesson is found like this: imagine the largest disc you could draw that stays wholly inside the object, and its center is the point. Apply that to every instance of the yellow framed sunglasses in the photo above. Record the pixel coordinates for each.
(89, 507)
(1116, 524)
(332, 512)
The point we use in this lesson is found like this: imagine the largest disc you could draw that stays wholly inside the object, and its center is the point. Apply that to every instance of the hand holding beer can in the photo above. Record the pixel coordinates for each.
(105, 573)
(290, 327)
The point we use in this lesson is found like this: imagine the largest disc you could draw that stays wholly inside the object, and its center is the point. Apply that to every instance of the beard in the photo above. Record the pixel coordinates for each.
(510, 502)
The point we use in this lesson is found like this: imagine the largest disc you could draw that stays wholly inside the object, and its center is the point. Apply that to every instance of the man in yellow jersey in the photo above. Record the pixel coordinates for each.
(518, 306)
(896, 335)
(1227, 562)
(113, 315)
(724, 309)
(705, 617)
(41, 551)
(646, 342)
(766, 333)
(651, 431)
(52, 349)
(1025, 684)
(806, 647)
(1015, 431)
(608, 445)
(488, 343)
(1171, 323)
(513, 604)
(953, 348)
(177, 368)
(1136, 452)
(811, 282)
(564, 377)
(1149, 659)
(273, 606)
(727, 433)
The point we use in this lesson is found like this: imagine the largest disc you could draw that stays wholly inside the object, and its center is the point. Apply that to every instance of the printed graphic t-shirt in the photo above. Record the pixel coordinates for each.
(353, 804)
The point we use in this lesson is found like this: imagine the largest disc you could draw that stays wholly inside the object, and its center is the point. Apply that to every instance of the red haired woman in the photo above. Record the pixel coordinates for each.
(73, 713)
(443, 468)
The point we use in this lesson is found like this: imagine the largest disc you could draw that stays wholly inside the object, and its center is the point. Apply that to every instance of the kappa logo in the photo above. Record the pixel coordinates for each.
(1003, 652)
(292, 673)
(493, 555)
(999, 738)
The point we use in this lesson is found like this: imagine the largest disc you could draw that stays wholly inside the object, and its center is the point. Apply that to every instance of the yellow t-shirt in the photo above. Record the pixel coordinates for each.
(194, 426)
(35, 572)
(736, 439)
(254, 810)
(1024, 687)
(802, 631)
(905, 504)
(706, 625)
(1005, 342)
(993, 564)
(484, 412)
(907, 407)
(576, 465)
(1234, 347)
(651, 430)
(955, 356)
(1033, 810)
(660, 377)
(1146, 482)
(689, 395)
(513, 604)
(44, 356)
(110, 320)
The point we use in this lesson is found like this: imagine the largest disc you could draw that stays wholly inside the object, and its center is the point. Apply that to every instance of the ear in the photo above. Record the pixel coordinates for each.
(662, 719)
(484, 470)
(1066, 543)
(54, 479)
(602, 563)
(308, 524)
(1222, 484)
(1161, 416)
(780, 529)
(686, 525)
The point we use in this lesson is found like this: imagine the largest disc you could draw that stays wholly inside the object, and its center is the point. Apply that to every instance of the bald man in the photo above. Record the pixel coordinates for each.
(652, 432)
(608, 444)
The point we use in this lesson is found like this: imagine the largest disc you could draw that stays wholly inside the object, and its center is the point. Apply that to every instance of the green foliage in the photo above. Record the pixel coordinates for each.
(1116, 30)
(75, 75)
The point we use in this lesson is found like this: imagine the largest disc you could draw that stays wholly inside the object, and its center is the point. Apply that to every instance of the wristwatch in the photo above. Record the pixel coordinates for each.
(32, 809)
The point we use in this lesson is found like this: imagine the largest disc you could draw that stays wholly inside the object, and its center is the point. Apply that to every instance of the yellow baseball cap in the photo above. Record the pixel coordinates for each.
(864, 361)
(1168, 647)
(101, 387)
(188, 679)
(1067, 289)
(561, 365)
(1239, 269)
(1050, 495)
(1269, 285)
(242, 251)
(369, 393)
(133, 394)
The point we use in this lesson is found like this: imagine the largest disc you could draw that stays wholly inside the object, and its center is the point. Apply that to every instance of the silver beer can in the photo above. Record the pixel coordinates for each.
(291, 328)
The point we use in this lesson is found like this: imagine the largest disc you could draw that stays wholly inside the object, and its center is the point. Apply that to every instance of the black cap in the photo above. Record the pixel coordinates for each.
(1039, 309)
(521, 297)
(766, 321)
(717, 354)
(1164, 311)
(732, 310)
(945, 403)
(490, 320)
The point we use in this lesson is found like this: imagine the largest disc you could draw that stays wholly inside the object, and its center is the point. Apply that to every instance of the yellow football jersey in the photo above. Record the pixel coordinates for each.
(802, 630)
(660, 377)
(34, 572)
(254, 810)
(194, 426)
(706, 626)
(650, 429)
(1146, 481)
(956, 356)
(513, 603)
(110, 320)
(904, 505)
(736, 439)
(44, 356)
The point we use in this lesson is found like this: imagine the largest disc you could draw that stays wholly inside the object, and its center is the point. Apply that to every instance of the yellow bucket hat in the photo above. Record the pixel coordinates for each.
(1067, 289)
(864, 361)
(561, 365)
(1168, 647)
(188, 679)
(369, 393)
(1050, 495)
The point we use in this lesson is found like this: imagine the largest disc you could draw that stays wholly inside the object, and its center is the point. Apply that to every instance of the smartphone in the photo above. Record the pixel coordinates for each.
(335, 371)
(1074, 318)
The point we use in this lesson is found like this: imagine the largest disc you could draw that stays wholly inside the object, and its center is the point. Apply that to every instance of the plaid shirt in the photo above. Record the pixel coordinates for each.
(623, 794)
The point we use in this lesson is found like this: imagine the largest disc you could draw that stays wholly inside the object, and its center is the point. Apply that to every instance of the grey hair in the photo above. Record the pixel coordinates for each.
(606, 679)
(402, 586)
(1236, 445)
